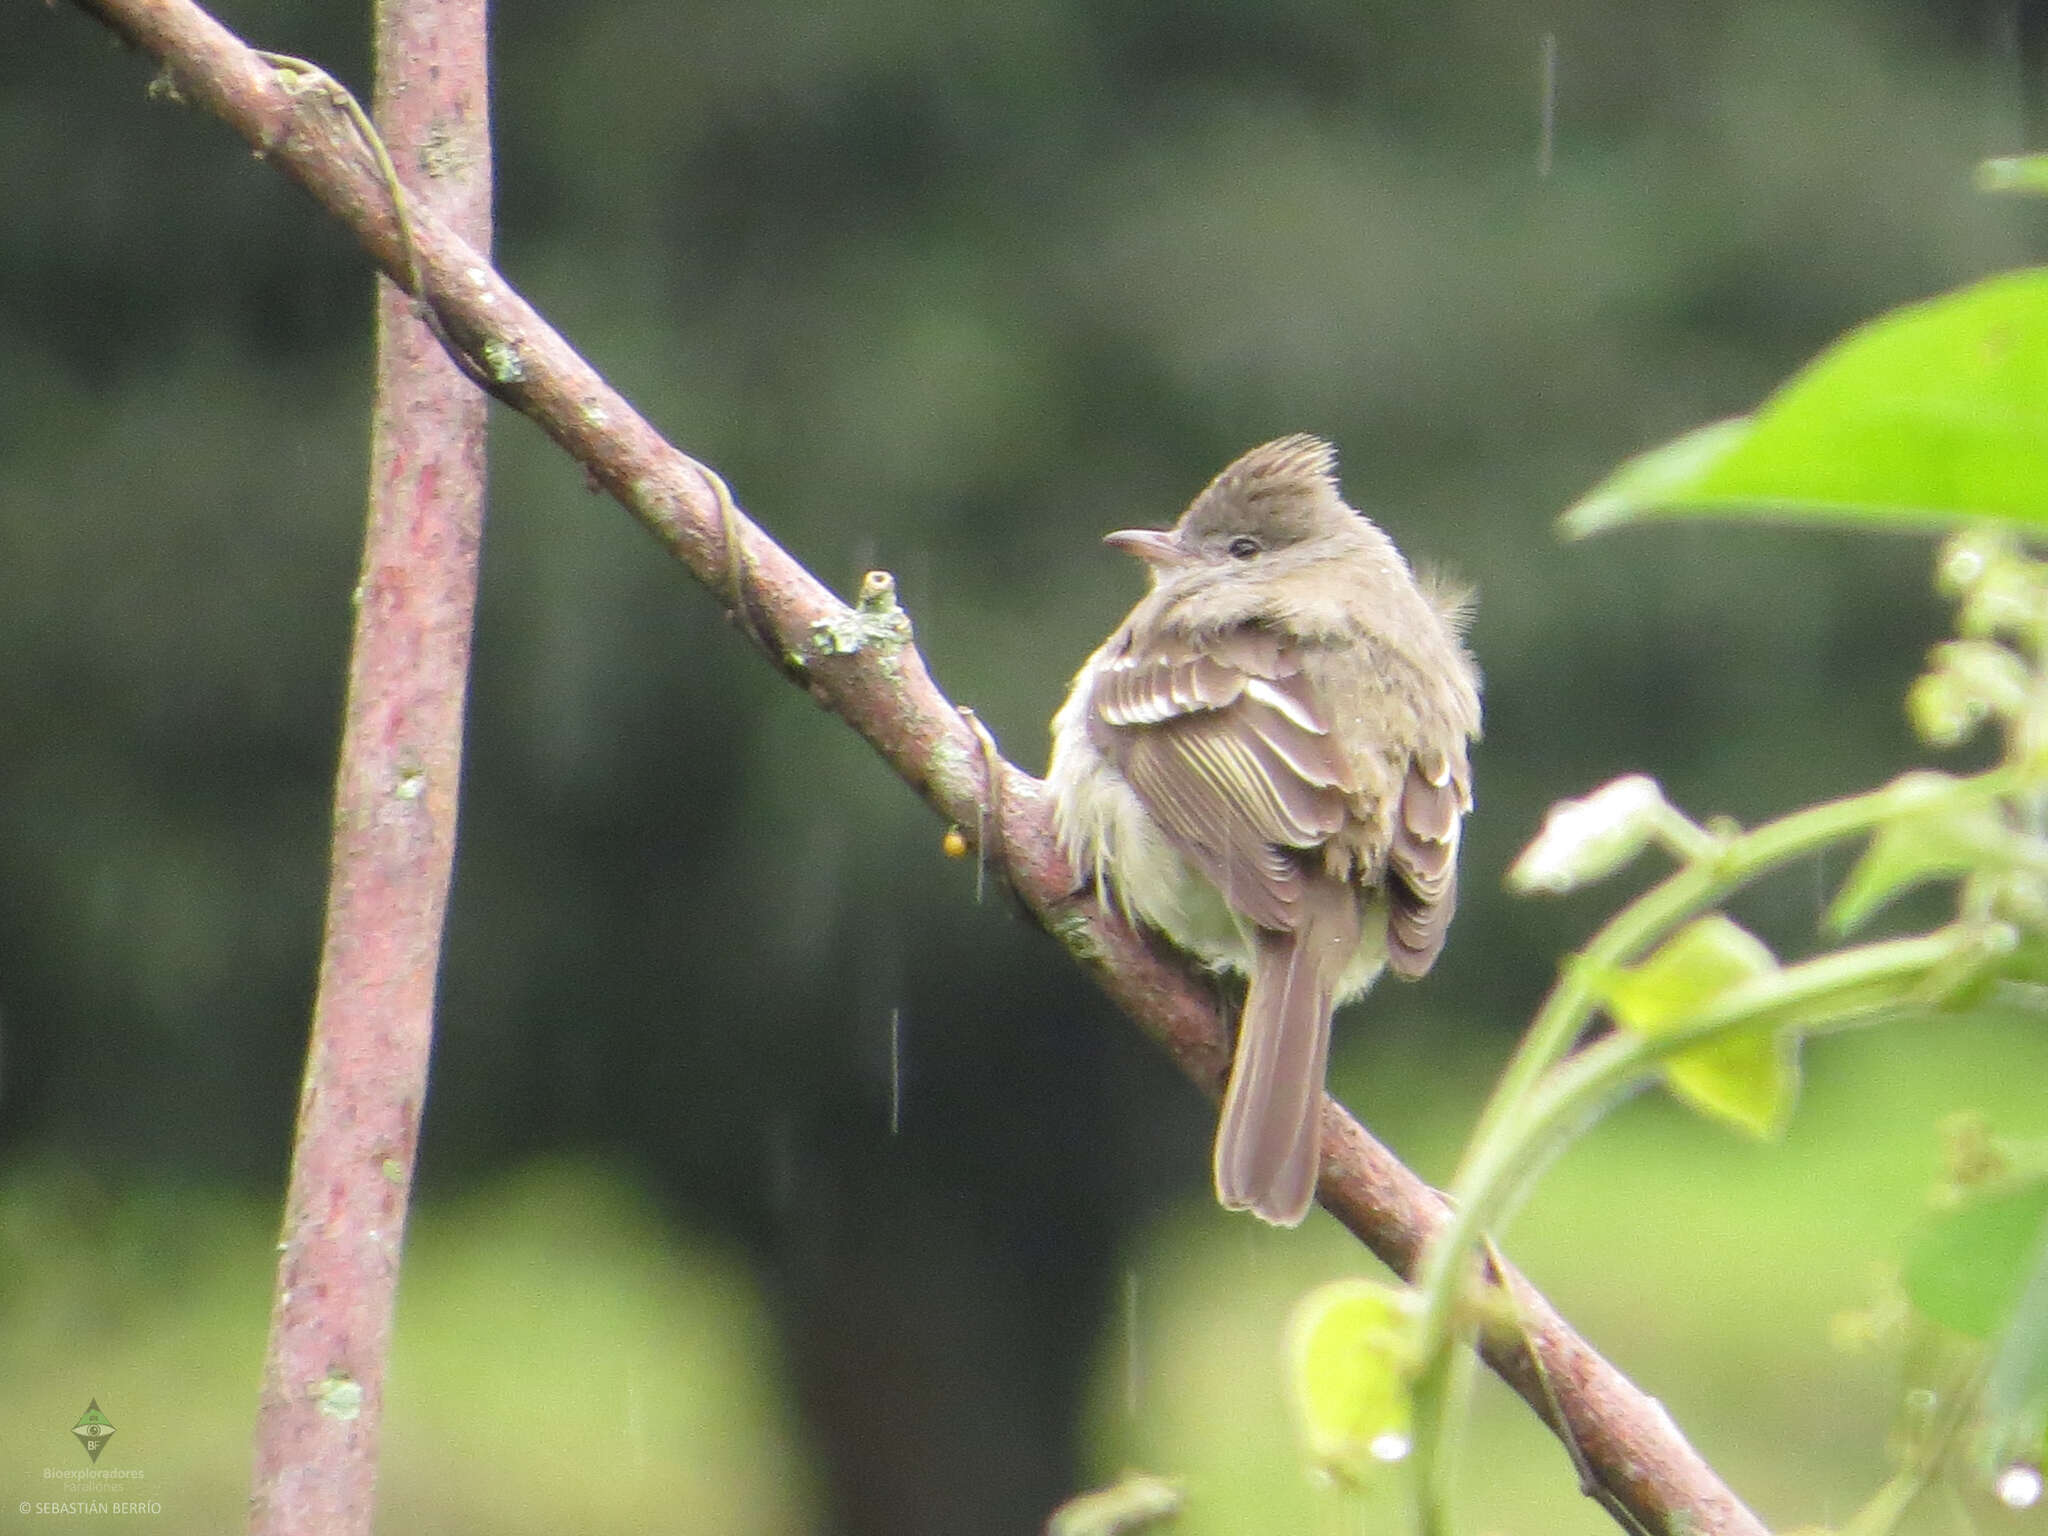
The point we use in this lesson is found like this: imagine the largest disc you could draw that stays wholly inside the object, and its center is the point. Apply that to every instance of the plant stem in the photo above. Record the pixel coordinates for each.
(1731, 864)
(1866, 980)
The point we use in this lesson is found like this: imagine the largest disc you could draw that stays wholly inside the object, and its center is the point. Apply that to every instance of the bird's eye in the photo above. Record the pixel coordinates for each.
(1244, 546)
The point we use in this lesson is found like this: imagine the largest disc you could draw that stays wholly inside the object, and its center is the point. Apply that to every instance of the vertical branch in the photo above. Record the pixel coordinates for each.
(394, 826)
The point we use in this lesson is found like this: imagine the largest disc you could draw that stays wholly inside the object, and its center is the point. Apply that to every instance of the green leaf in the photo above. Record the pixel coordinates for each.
(1945, 838)
(1662, 477)
(1746, 1078)
(1965, 1268)
(1925, 416)
(2014, 173)
(1350, 1351)
(2015, 1401)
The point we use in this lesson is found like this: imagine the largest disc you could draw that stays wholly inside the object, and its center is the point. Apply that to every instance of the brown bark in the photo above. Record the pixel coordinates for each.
(395, 804)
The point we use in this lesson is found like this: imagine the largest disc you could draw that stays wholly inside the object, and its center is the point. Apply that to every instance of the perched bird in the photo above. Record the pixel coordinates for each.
(1266, 762)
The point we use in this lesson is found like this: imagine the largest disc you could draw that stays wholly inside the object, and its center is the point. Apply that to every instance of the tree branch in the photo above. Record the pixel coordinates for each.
(859, 663)
(321, 1410)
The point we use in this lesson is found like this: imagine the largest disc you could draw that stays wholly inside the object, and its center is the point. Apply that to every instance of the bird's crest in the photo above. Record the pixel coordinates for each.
(1300, 464)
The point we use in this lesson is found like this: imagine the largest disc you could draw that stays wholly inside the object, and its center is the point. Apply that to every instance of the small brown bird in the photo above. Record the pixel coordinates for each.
(1267, 763)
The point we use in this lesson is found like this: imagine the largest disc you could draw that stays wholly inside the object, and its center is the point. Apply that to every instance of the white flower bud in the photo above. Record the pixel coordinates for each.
(1587, 839)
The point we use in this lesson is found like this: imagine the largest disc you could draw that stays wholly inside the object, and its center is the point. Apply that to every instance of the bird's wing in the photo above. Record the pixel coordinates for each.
(1423, 858)
(1230, 750)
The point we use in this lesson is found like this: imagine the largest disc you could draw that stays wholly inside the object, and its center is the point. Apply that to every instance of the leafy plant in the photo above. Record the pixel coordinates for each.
(1934, 416)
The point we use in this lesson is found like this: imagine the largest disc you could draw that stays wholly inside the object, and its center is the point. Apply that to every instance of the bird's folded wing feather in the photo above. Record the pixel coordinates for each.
(1423, 858)
(1231, 752)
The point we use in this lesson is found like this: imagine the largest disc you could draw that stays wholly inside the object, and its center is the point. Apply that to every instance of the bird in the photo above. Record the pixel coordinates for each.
(1268, 762)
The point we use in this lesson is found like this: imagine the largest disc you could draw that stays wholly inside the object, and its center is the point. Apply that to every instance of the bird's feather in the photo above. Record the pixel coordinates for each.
(1229, 750)
(1422, 863)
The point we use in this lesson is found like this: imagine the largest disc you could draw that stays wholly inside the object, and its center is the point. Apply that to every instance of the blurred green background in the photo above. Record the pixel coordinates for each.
(949, 290)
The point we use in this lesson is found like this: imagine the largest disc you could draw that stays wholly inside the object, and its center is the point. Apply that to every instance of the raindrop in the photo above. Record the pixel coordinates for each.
(1546, 135)
(1964, 565)
(895, 1071)
(2005, 81)
(1390, 1445)
(1131, 1377)
(980, 853)
(636, 1414)
(2019, 1486)
(866, 555)
(780, 1164)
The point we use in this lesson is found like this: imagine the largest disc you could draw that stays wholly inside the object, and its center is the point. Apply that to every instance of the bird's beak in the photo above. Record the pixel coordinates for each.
(1154, 546)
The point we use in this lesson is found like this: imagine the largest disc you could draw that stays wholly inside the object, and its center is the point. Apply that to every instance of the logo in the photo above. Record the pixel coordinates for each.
(93, 1430)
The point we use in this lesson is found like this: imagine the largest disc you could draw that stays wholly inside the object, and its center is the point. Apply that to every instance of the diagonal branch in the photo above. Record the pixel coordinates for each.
(859, 663)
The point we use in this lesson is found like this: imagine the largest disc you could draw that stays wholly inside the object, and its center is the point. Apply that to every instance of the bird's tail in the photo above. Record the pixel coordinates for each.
(1269, 1142)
